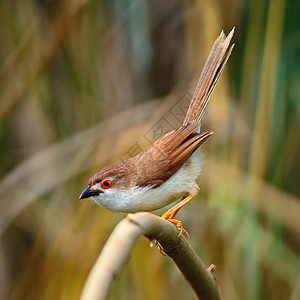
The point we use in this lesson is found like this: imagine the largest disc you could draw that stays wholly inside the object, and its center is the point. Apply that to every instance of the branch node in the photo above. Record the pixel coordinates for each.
(131, 218)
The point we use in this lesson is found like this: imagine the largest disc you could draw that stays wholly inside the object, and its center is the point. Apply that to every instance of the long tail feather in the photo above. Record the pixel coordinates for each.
(209, 77)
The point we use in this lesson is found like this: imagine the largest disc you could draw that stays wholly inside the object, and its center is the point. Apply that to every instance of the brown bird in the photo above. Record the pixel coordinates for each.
(167, 170)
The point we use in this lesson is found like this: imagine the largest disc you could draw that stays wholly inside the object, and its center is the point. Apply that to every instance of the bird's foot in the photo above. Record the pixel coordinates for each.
(178, 224)
(171, 213)
(158, 245)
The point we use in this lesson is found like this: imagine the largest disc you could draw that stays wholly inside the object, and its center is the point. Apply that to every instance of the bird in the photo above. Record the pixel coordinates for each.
(168, 169)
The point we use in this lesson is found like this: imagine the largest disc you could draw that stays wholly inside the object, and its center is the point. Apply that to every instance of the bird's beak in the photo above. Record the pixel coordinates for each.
(89, 193)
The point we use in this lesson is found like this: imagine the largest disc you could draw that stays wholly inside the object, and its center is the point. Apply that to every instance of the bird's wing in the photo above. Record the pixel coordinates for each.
(168, 154)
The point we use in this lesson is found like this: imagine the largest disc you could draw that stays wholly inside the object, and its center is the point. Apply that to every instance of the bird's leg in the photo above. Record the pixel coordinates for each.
(173, 211)
(170, 214)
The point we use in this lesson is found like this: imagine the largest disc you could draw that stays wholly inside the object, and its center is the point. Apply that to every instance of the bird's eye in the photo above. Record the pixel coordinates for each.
(106, 183)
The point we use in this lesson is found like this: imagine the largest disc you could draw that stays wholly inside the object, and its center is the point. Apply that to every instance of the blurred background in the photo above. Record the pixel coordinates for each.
(88, 83)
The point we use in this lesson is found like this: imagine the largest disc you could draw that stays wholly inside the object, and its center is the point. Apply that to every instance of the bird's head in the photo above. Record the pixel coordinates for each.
(97, 188)
(108, 180)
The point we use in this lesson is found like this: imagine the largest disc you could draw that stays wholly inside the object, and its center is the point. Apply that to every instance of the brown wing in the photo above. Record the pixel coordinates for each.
(168, 154)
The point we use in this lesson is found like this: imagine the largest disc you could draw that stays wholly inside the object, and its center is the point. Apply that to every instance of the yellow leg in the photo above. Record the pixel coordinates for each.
(170, 214)
(173, 211)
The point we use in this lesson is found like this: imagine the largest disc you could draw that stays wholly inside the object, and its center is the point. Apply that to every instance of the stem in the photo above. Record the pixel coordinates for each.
(121, 242)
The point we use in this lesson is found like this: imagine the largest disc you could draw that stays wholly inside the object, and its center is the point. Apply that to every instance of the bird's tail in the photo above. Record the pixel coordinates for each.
(209, 77)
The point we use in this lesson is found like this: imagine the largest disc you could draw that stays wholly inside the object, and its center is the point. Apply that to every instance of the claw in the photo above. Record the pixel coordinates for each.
(185, 233)
(161, 249)
(158, 246)
(179, 226)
